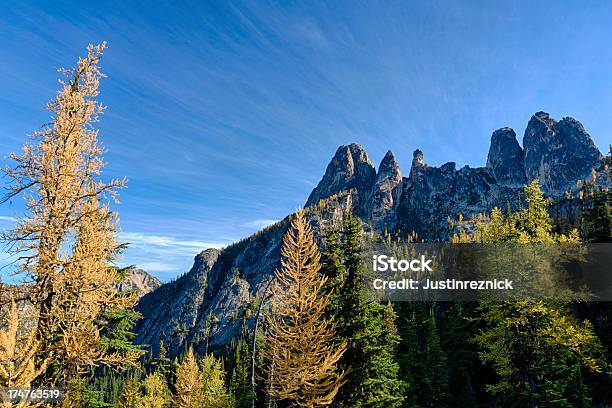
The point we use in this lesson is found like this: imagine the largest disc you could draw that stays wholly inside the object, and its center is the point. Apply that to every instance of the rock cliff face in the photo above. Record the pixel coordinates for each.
(384, 197)
(349, 170)
(558, 153)
(505, 158)
(432, 194)
(139, 280)
(212, 297)
(212, 300)
(180, 305)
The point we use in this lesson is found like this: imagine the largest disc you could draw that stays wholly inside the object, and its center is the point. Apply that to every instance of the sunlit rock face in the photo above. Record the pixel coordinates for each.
(558, 152)
(385, 194)
(505, 158)
(349, 169)
(178, 305)
(433, 194)
(140, 281)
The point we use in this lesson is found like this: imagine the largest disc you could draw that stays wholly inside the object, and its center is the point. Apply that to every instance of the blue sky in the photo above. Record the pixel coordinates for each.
(224, 115)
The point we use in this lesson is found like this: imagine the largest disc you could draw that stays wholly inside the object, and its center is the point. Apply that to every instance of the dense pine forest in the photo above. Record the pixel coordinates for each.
(319, 338)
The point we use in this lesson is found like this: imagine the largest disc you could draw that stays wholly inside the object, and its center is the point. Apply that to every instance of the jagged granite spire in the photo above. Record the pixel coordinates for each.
(389, 168)
(505, 158)
(418, 159)
(558, 152)
(386, 192)
(418, 162)
(350, 168)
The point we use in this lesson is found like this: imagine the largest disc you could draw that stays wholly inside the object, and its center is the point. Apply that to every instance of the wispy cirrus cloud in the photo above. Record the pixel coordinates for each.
(158, 267)
(168, 243)
(259, 223)
(165, 256)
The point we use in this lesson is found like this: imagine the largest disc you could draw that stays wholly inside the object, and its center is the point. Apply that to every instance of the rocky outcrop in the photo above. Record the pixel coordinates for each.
(385, 195)
(140, 281)
(213, 296)
(558, 152)
(349, 170)
(177, 306)
(418, 163)
(505, 158)
(433, 194)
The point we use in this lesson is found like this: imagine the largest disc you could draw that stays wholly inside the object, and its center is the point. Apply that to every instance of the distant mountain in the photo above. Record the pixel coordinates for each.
(219, 288)
(139, 280)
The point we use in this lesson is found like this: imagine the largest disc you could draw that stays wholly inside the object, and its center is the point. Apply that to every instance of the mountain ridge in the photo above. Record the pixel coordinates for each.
(215, 294)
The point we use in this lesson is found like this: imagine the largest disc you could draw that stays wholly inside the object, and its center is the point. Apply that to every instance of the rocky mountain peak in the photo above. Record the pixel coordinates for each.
(350, 168)
(389, 168)
(557, 153)
(138, 280)
(505, 158)
(207, 258)
(223, 283)
(418, 162)
(386, 192)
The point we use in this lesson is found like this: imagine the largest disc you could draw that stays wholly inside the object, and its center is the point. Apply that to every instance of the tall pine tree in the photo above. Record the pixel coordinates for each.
(424, 363)
(370, 332)
(68, 236)
(240, 379)
(302, 341)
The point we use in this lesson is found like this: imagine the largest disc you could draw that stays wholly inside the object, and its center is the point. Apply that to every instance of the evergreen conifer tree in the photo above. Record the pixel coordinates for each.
(370, 332)
(598, 218)
(333, 267)
(423, 361)
(597, 215)
(240, 379)
(464, 372)
(162, 363)
(381, 384)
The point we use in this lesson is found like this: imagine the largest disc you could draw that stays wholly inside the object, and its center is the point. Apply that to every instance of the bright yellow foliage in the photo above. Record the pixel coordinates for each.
(68, 235)
(188, 387)
(302, 349)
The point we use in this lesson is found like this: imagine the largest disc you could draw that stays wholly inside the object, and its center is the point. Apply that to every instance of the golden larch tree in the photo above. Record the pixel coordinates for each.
(188, 385)
(67, 237)
(212, 378)
(302, 343)
(156, 390)
(18, 348)
(131, 397)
